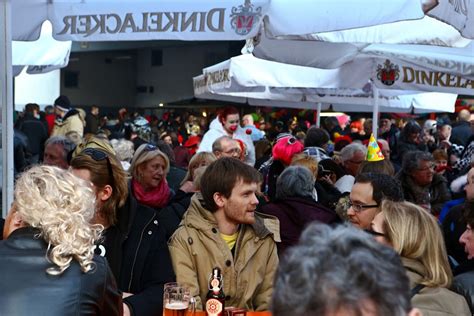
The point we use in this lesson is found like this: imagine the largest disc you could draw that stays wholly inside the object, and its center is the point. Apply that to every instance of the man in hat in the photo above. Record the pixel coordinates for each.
(68, 122)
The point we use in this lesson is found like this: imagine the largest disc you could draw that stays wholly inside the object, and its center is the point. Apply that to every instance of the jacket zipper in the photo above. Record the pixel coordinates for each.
(136, 254)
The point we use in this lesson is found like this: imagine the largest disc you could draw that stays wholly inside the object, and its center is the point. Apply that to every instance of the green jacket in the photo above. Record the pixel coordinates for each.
(436, 301)
(196, 247)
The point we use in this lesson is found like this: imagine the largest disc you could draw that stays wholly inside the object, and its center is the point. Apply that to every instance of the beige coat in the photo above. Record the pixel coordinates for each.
(434, 301)
(197, 247)
(72, 127)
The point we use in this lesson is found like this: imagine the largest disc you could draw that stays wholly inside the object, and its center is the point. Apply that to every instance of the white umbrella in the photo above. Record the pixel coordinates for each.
(41, 56)
(256, 81)
(458, 13)
(102, 20)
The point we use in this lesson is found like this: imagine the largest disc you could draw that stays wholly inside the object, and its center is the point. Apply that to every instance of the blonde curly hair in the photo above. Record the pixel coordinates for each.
(61, 206)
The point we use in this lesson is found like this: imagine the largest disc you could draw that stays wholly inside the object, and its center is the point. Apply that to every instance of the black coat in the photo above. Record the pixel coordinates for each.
(140, 258)
(28, 290)
(463, 282)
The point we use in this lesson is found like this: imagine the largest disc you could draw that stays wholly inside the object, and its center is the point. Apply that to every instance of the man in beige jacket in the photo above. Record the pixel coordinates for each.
(221, 229)
(68, 122)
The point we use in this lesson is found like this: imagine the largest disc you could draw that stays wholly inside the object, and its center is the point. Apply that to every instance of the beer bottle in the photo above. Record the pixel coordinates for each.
(215, 299)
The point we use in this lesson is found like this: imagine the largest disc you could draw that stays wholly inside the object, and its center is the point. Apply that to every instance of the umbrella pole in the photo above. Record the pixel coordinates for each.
(375, 115)
(6, 91)
(318, 115)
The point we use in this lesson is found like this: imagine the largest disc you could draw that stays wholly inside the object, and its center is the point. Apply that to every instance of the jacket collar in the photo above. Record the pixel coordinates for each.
(26, 238)
(200, 218)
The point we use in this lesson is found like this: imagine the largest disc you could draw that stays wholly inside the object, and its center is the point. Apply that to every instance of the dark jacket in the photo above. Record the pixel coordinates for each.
(140, 258)
(170, 216)
(461, 133)
(463, 282)
(453, 227)
(438, 190)
(92, 124)
(294, 214)
(28, 290)
(35, 131)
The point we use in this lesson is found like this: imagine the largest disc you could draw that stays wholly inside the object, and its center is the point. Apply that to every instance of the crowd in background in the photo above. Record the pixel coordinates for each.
(411, 190)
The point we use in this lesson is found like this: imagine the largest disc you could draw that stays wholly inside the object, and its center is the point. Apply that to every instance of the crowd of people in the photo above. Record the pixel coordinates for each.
(301, 219)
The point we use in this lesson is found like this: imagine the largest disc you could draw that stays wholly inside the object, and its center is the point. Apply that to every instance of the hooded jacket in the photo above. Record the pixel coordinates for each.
(216, 130)
(197, 247)
(71, 126)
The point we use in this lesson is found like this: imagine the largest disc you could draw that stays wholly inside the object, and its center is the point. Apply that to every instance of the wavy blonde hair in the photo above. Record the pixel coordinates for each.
(415, 234)
(61, 206)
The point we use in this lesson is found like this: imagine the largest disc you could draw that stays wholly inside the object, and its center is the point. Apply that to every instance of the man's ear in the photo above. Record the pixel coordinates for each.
(219, 199)
(104, 194)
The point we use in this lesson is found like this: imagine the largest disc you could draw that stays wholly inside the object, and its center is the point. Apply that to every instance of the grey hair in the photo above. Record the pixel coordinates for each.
(64, 141)
(217, 144)
(123, 149)
(412, 159)
(348, 152)
(295, 181)
(340, 269)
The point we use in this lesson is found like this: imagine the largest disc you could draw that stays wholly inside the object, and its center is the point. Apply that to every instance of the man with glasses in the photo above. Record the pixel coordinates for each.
(367, 194)
(227, 124)
(421, 185)
(226, 146)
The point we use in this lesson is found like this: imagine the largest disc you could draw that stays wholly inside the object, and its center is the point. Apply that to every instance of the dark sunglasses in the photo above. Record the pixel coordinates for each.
(99, 155)
(374, 233)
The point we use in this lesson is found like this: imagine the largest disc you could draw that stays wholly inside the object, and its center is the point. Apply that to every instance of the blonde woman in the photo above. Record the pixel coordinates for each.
(47, 259)
(417, 238)
(201, 159)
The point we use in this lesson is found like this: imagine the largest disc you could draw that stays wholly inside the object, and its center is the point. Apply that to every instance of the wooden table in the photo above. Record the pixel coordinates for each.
(201, 313)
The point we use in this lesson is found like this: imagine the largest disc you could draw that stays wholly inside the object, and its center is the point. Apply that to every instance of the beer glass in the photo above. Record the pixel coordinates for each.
(177, 300)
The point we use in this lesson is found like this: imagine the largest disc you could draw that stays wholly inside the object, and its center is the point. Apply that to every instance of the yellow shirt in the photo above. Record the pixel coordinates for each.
(230, 240)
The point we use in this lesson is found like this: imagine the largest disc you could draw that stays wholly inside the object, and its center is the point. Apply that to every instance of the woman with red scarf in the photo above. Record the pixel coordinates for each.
(148, 169)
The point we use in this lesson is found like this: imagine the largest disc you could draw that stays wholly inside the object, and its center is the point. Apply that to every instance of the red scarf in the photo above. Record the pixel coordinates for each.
(156, 198)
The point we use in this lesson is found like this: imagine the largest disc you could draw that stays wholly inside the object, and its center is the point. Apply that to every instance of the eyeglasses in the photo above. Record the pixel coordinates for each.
(374, 233)
(99, 155)
(360, 207)
(431, 167)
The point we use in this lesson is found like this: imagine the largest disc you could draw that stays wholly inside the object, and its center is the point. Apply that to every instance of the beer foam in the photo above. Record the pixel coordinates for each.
(177, 305)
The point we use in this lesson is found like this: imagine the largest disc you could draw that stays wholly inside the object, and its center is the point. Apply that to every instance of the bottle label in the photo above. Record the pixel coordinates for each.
(213, 307)
(215, 285)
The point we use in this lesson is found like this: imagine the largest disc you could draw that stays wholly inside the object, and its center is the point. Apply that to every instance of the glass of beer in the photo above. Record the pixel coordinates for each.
(177, 300)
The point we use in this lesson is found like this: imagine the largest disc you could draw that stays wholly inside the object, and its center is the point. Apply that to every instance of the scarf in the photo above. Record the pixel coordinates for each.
(156, 198)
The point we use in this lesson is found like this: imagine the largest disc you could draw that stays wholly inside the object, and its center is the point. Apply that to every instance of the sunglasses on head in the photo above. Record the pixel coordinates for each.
(150, 147)
(99, 155)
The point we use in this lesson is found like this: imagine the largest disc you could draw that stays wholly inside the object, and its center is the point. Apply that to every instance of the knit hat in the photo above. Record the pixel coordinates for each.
(62, 103)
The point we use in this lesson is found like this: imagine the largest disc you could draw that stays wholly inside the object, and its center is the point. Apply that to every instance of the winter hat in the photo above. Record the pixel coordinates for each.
(62, 103)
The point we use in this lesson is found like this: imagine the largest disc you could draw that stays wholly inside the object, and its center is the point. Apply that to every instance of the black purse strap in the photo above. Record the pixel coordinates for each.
(416, 290)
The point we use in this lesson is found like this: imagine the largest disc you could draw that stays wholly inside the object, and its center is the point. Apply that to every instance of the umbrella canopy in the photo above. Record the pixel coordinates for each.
(458, 13)
(260, 82)
(41, 56)
(110, 20)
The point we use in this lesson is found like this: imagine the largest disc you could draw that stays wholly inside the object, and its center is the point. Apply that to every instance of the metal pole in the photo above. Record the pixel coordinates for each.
(6, 102)
(375, 115)
(318, 115)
